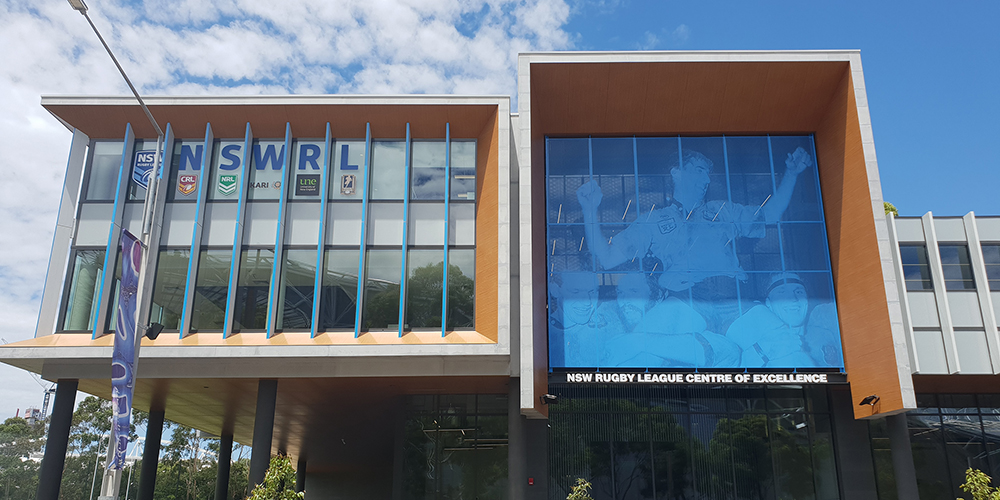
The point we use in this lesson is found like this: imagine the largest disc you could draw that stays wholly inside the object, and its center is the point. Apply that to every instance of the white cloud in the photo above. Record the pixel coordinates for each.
(681, 33)
(222, 47)
(649, 41)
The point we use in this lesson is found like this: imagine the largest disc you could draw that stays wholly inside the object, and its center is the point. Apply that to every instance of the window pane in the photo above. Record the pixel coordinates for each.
(227, 156)
(211, 285)
(991, 254)
(388, 170)
(427, 172)
(252, 289)
(306, 165)
(168, 289)
(348, 170)
(463, 170)
(185, 169)
(461, 289)
(103, 175)
(381, 299)
(298, 278)
(136, 191)
(340, 287)
(424, 276)
(84, 285)
(265, 171)
(913, 254)
(111, 318)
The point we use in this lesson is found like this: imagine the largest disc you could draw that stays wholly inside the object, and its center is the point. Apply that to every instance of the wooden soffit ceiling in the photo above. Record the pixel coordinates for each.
(649, 98)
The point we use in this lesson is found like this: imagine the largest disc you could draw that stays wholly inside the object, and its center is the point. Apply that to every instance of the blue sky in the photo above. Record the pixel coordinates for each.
(931, 72)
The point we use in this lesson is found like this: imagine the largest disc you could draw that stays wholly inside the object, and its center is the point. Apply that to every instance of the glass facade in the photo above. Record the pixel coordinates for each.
(371, 224)
(949, 433)
(455, 447)
(656, 442)
(688, 252)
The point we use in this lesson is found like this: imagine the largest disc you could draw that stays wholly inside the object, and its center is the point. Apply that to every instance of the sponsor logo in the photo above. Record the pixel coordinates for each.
(227, 184)
(142, 167)
(307, 185)
(186, 183)
(277, 184)
(347, 184)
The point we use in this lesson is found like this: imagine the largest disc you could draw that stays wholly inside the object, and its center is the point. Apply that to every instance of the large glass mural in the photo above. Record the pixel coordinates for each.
(681, 252)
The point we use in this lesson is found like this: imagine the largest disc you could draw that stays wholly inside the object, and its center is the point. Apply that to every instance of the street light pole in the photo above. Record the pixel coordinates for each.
(111, 480)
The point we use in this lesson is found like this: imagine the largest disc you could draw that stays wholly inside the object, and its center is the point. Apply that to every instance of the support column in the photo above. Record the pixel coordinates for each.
(536, 449)
(54, 459)
(853, 451)
(225, 463)
(150, 455)
(263, 430)
(517, 478)
(300, 474)
(902, 457)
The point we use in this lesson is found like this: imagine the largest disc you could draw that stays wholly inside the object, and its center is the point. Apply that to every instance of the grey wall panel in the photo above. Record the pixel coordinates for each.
(930, 352)
(302, 227)
(132, 218)
(973, 352)
(260, 225)
(995, 297)
(178, 223)
(923, 309)
(344, 224)
(426, 224)
(950, 230)
(220, 223)
(55, 277)
(909, 230)
(965, 312)
(385, 224)
(93, 224)
(989, 228)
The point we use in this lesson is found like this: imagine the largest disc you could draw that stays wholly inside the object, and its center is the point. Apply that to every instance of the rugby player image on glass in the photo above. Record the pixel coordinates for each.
(688, 252)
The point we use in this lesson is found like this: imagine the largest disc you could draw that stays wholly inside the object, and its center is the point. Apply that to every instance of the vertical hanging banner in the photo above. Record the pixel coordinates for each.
(123, 358)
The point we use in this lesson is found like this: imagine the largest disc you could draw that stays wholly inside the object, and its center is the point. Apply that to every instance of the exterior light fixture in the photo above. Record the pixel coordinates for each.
(869, 400)
(153, 331)
(78, 5)
(549, 399)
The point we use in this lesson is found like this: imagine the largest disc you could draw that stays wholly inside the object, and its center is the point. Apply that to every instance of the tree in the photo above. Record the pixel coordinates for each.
(978, 483)
(581, 491)
(279, 482)
(18, 474)
(890, 208)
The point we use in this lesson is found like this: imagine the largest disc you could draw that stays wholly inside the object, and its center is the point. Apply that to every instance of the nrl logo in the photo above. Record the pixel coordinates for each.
(227, 184)
(186, 184)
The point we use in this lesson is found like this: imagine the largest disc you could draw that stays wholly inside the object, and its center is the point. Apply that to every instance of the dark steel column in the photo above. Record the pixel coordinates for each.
(902, 457)
(55, 446)
(300, 474)
(150, 455)
(225, 463)
(263, 430)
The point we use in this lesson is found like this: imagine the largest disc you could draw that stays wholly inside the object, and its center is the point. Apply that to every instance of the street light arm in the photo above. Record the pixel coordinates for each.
(156, 126)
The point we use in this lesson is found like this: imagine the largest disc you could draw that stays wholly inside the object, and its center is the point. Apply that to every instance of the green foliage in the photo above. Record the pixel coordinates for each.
(18, 475)
(890, 208)
(581, 491)
(279, 482)
(978, 483)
